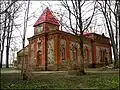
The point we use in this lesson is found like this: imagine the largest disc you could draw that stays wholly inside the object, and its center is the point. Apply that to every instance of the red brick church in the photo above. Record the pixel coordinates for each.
(52, 49)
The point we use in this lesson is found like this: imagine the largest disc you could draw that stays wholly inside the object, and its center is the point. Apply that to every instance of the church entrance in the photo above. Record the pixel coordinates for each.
(39, 58)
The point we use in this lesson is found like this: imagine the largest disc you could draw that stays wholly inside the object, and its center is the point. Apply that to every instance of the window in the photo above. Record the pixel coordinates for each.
(39, 45)
(74, 53)
(39, 57)
(100, 55)
(39, 29)
(63, 52)
(86, 53)
(103, 56)
(26, 59)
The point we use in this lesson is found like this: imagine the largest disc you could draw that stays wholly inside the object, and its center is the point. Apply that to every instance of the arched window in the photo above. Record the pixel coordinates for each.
(100, 52)
(63, 52)
(39, 45)
(74, 53)
(86, 53)
(105, 57)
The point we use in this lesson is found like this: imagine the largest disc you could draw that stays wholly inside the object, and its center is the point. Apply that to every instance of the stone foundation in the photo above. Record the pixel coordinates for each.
(64, 67)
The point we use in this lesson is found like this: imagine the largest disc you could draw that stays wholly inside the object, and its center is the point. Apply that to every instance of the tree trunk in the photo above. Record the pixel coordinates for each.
(119, 31)
(0, 38)
(81, 65)
(3, 39)
(7, 57)
(115, 57)
(1, 58)
(24, 70)
(8, 38)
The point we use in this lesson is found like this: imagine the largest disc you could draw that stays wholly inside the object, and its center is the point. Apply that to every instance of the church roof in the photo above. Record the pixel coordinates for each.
(47, 16)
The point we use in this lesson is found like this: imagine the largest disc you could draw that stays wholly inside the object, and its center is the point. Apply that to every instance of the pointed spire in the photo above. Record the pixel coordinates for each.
(48, 17)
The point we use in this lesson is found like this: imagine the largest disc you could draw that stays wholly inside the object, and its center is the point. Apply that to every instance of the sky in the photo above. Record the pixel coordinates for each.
(36, 9)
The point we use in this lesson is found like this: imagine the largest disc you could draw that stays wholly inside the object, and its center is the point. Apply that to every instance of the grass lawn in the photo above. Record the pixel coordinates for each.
(61, 81)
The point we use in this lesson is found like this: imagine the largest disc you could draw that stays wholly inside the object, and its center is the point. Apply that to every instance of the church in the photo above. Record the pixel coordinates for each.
(53, 49)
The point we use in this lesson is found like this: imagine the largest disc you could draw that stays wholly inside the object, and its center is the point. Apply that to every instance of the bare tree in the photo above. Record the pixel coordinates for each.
(80, 25)
(7, 26)
(24, 70)
(110, 12)
(0, 36)
(3, 31)
(6, 8)
(9, 13)
(9, 32)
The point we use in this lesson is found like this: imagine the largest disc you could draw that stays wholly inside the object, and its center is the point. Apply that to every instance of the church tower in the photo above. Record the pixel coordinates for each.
(42, 44)
(46, 22)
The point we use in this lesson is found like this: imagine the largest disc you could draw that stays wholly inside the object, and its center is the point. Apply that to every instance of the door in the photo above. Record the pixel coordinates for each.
(39, 58)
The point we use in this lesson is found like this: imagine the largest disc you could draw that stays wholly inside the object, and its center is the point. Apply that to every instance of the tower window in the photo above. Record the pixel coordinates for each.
(39, 45)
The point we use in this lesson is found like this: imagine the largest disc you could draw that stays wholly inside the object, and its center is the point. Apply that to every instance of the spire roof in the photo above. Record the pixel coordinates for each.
(48, 17)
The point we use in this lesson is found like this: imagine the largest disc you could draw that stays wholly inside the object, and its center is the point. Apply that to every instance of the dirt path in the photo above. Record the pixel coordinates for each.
(102, 70)
(89, 70)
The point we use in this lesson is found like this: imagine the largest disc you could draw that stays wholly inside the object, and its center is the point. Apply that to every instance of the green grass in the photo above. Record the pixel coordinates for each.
(61, 81)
